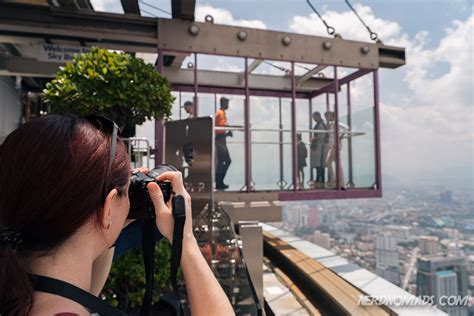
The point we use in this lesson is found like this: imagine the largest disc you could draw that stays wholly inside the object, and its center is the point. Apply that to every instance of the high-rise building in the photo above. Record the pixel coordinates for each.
(313, 217)
(440, 277)
(387, 258)
(428, 245)
(322, 239)
(297, 214)
(327, 217)
(446, 197)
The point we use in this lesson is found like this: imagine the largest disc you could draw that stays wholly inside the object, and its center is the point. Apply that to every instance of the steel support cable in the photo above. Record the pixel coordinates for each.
(148, 12)
(284, 69)
(303, 67)
(154, 7)
(329, 29)
(275, 66)
(373, 35)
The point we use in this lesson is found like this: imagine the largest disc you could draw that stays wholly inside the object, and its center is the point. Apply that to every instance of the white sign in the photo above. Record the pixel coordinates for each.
(59, 53)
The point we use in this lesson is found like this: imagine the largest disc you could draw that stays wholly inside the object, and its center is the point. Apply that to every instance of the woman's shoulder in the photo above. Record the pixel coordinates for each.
(49, 304)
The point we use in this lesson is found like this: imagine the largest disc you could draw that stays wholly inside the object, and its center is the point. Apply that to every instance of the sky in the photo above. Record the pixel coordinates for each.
(427, 115)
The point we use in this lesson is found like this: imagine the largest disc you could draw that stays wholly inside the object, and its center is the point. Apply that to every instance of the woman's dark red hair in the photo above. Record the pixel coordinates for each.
(52, 173)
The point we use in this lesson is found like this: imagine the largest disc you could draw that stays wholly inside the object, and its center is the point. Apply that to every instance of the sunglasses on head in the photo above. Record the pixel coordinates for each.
(109, 128)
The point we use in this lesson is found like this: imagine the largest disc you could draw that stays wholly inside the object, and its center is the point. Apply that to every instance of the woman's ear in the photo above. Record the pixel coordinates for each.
(106, 214)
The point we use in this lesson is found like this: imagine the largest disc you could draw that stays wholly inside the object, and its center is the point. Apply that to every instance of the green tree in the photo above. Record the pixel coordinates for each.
(119, 85)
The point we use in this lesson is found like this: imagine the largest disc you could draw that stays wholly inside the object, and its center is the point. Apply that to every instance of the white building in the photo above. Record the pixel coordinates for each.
(387, 258)
(322, 239)
(428, 245)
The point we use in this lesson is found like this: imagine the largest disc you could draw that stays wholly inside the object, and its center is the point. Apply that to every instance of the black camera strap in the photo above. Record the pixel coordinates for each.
(78, 295)
(148, 243)
(179, 215)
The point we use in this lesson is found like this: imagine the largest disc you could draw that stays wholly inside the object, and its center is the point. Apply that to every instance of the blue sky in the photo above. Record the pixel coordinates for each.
(427, 105)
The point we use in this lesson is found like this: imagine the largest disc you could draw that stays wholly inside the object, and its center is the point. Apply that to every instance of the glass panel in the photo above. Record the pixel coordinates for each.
(208, 104)
(362, 174)
(266, 149)
(303, 127)
(344, 132)
(286, 127)
(358, 145)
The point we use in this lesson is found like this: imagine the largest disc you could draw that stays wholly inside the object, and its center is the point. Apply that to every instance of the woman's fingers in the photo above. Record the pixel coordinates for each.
(156, 195)
(170, 176)
(164, 217)
(176, 179)
(141, 169)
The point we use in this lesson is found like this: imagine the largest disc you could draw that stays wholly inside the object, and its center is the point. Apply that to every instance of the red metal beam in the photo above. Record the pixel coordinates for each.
(329, 194)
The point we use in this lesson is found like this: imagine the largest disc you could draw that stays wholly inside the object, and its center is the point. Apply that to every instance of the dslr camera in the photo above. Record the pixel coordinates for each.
(141, 206)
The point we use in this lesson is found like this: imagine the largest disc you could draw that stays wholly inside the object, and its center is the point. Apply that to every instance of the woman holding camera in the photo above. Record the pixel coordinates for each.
(63, 203)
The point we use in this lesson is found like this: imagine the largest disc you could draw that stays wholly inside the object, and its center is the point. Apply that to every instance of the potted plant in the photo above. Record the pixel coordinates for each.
(118, 85)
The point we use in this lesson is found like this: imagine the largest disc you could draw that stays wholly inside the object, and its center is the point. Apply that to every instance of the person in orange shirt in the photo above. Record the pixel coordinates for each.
(222, 153)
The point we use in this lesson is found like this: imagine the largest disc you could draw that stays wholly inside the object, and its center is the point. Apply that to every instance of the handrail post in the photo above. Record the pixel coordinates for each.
(336, 130)
(378, 159)
(196, 100)
(248, 149)
(349, 140)
(310, 107)
(294, 153)
(282, 185)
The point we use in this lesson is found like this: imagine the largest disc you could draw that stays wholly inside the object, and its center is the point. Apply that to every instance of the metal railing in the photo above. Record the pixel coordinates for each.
(138, 149)
(344, 133)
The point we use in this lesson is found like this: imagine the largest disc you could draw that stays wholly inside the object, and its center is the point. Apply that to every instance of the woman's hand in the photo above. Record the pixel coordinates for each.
(164, 216)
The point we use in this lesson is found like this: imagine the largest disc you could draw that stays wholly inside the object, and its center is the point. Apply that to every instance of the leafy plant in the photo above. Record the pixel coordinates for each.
(119, 85)
(126, 283)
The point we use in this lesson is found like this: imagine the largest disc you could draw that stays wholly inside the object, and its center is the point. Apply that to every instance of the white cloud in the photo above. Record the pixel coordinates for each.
(347, 24)
(453, 88)
(223, 16)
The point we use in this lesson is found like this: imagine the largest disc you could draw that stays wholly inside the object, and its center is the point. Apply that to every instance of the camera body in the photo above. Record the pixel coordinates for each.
(141, 206)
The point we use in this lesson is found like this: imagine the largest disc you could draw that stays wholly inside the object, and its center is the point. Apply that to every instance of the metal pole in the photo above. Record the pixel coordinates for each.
(248, 149)
(336, 126)
(215, 103)
(310, 137)
(159, 128)
(180, 104)
(378, 158)
(282, 185)
(327, 102)
(196, 105)
(349, 140)
(293, 129)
